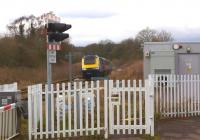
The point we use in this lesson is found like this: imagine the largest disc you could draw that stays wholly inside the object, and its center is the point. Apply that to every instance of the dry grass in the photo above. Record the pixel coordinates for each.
(26, 76)
(130, 70)
(22, 75)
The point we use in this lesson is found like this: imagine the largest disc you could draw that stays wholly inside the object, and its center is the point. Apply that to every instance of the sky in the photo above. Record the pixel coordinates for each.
(96, 20)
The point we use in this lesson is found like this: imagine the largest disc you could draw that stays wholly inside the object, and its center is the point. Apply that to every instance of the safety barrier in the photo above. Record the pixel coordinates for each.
(8, 122)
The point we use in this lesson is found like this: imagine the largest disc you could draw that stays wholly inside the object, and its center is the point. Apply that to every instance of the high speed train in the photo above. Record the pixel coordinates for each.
(95, 66)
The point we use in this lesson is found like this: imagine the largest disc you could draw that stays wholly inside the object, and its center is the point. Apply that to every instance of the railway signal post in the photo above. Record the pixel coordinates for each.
(55, 35)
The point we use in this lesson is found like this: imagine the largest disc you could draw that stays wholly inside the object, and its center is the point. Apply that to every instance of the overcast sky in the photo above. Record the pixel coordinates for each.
(95, 20)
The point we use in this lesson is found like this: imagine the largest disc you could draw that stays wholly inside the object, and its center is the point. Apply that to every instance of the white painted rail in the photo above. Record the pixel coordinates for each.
(8, 87)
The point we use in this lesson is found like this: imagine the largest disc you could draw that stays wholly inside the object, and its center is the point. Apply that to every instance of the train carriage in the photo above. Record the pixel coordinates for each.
(95, 66)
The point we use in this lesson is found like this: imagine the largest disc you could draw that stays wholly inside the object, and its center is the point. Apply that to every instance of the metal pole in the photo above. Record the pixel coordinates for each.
(49, 81)
(70, 67)
(78, 109)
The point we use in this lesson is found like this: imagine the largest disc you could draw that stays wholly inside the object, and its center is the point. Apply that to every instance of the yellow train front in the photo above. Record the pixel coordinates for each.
(95, 66)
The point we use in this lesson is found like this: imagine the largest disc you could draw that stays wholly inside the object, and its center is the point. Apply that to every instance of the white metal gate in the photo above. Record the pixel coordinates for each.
(131, 109)
(81, 108)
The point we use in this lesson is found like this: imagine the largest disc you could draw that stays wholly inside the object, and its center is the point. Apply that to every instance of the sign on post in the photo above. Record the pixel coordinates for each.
(52, 56)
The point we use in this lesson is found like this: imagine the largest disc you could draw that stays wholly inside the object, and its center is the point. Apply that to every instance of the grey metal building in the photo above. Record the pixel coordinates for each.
(171, 58)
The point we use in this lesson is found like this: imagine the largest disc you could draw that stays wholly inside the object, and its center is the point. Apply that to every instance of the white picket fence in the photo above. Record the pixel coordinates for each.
(177, 95)
(81, 109)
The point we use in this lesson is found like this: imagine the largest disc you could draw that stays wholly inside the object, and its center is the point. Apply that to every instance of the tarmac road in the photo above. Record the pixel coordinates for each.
(172, 129)
(179, 129)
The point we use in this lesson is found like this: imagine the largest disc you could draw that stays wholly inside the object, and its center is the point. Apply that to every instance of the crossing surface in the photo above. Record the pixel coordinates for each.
(179, 129)
(167, 129)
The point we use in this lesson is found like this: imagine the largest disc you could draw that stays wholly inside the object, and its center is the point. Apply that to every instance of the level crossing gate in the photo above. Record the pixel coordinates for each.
(9, 119)
(89, 108)
(131, 107)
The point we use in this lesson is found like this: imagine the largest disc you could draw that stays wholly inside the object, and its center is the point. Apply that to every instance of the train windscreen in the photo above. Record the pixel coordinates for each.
(90, 59)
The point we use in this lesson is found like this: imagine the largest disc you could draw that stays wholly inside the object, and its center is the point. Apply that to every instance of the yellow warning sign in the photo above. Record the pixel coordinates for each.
(188, 67)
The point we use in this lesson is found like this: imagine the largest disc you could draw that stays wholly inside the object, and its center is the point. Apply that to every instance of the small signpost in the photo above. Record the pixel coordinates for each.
(52, 56)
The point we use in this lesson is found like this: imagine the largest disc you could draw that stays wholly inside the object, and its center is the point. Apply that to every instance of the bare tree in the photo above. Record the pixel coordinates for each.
(12, 29)
(21, 30)
(21, 26)
(150, 35)
(146, 35)
(164, 36)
